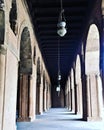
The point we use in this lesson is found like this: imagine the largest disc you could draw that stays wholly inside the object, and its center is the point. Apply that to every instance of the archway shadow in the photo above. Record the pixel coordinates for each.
(79, 119)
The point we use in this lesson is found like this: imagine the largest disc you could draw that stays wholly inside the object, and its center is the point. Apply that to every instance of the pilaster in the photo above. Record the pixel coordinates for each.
(93, 108)
(2, 81)
(45, 100)
(78, 98)
(41, 99)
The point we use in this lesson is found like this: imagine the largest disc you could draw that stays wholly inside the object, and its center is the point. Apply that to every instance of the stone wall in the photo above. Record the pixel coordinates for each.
(9, 63)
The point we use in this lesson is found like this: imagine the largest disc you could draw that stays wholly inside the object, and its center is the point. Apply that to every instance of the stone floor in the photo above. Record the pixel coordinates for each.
(60, 119)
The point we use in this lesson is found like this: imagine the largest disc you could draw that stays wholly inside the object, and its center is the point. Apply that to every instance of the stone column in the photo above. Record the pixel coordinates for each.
(32, 97)
(45, 100)
(69, 93)
(79, 98)
(49, 101)
(41, 99)
(2, 61)
(66, 96)
(76, 98)
(48, 97)
(37, 98)
(44, 96)
(100, 95)
(69, 99)
(73, 97)
(93, 109)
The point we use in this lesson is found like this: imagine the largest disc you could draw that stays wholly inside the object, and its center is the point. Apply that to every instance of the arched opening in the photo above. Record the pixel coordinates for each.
(92, 70)
(24, 72)
(78, 86)
(92, 51)
(38, 82)
(13, 17)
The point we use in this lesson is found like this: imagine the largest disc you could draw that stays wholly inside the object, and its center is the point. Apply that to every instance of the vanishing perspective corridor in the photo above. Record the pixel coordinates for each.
(60, 119)
(51, 64)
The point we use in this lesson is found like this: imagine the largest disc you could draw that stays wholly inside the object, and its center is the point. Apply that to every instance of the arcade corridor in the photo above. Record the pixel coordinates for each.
(51, 64)
(60, 119)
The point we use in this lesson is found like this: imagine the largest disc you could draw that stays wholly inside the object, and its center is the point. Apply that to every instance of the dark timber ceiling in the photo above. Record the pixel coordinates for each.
(45, 15)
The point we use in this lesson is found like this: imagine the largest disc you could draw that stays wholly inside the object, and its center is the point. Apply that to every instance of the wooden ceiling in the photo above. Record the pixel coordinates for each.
(45, 14)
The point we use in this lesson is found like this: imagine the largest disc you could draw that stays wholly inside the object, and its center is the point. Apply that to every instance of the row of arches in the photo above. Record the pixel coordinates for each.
(24, 79)
(25, 87)
(25, 71)
(84, 87)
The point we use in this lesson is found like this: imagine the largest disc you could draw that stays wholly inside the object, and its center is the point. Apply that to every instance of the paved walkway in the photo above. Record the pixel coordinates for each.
(60, 119)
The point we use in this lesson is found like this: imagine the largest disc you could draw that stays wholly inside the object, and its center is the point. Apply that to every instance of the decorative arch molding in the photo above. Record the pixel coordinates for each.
(25, 53)
(13, 17)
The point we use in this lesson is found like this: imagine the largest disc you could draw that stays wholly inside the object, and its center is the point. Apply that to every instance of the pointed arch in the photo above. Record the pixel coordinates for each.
(92, 70)
(24, 72)
(25, 52)
(92, 50)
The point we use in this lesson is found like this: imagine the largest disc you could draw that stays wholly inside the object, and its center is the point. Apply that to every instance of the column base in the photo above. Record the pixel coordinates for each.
(23, 119)
(92, 118)
(40, 113)
(77, 113)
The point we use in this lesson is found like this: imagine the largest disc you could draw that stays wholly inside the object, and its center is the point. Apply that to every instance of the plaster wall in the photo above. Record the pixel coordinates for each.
(2, 80)
(9, 112)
